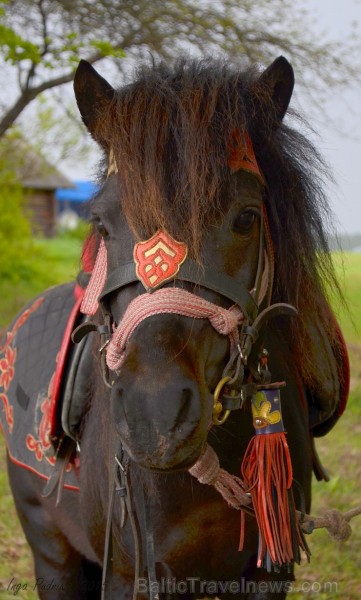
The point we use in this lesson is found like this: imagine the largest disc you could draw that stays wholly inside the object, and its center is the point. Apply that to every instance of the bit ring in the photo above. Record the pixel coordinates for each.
(217, 417)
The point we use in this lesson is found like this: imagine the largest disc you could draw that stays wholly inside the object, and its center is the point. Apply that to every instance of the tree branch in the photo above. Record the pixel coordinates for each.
(44, 30)
(29, 94)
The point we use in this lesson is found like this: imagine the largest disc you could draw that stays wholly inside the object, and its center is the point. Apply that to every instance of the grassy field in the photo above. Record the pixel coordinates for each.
(52, 261)
(335, 569)
(349, 269)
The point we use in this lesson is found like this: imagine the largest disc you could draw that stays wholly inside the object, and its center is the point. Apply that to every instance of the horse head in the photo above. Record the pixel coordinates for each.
(200, 275)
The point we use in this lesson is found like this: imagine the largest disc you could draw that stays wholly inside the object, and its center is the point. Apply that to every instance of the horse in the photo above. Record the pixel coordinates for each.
(204, 288)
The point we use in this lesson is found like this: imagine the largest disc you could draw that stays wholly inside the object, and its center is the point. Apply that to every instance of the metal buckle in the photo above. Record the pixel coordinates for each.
(217, 417)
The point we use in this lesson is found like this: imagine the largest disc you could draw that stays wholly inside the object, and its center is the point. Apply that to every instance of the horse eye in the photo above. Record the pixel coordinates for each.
(244, 221)
(101, 228)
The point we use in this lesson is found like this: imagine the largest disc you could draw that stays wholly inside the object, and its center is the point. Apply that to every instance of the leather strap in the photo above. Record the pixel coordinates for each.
(222, 284)
(107, 575)
(191, 272)
(118, 278)
(64, 453)
(88, 327)
(254, 333)
(260, 265)
(120, 486)
(149, 547)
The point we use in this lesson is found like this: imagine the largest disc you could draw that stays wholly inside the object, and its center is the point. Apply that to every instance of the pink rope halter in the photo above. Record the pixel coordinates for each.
(90, 305)
(170, 301)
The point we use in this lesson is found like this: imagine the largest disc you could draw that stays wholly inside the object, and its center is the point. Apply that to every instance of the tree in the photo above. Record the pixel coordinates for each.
(41, 41)
(15, 232)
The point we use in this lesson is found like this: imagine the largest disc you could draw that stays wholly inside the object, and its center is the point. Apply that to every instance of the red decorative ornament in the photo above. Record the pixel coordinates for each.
(9, 412)
(7, 368)
(41, 445)
(267, 473)
(158, 259)
(242, 156)
(20, 322)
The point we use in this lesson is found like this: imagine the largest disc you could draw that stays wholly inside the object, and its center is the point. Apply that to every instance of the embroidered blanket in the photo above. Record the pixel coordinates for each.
(36, 341)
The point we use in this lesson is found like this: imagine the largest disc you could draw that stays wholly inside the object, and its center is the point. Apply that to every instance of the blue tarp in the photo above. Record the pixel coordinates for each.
(82, 192)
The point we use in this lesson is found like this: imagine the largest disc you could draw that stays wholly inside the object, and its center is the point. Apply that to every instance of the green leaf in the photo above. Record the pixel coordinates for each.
(16, 48)
(107, 49)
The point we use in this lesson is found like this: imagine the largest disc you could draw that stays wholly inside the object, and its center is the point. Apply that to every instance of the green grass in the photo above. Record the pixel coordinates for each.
(348, 266)
(52, 261)
(340, 451)
(15, 555)
(331, 561)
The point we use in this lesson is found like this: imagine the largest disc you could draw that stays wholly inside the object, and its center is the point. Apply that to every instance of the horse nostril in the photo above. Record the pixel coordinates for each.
(186, 406)
(187, 394)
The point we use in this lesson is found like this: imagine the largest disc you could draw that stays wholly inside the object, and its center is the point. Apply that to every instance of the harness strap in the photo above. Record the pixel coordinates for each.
(120, 277)
(222, 284)
(256, 292)
(254, 333)
(149, 548)
(107, 575)
(191, 272)
(120, 486)
(64, 453)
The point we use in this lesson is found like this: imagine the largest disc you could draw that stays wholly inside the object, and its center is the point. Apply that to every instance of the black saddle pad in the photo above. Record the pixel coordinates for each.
(28, 356)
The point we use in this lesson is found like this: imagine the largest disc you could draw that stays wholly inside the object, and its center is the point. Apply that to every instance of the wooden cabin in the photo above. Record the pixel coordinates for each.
(39, 180)
(41, 203)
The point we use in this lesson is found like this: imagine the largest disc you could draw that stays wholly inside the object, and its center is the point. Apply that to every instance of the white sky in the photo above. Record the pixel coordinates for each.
(340, 135)
(340, 138)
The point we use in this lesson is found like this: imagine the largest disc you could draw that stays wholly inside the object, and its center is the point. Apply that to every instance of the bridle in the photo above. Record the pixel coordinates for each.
(245, 329)
(254, 310)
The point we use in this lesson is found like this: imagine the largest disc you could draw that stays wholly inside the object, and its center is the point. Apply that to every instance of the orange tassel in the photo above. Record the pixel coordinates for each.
(267, 473)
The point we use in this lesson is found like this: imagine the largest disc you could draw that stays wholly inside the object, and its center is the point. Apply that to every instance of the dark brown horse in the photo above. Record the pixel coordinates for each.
(199, 166)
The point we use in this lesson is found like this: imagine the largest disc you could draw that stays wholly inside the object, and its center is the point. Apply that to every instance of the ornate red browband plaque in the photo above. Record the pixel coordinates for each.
(158, 259)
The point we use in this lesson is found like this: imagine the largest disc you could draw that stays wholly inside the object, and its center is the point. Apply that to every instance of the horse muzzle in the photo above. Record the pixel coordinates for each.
(162, 425)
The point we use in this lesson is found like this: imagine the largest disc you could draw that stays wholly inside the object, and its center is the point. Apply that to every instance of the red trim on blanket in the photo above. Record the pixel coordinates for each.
(9, 412)
(18, 463)
(61, 359)
(78, 291)
(20, 322)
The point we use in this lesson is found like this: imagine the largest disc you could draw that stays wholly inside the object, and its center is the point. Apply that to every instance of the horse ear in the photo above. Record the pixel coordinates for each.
(279, 79)
(93, 95)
